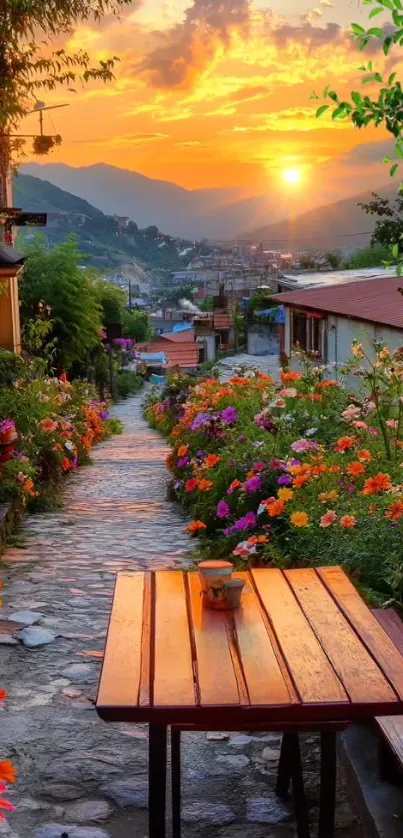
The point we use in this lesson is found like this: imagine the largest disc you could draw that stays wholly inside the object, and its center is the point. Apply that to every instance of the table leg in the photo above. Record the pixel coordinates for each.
(298, 790)
(157, 780)
(327, 785)
(283, 772)
(176, 781)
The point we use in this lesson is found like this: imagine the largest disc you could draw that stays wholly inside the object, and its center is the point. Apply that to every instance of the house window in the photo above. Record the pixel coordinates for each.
(307, 331)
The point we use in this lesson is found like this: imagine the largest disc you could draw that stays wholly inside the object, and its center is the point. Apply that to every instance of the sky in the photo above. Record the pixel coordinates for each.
(216, 93)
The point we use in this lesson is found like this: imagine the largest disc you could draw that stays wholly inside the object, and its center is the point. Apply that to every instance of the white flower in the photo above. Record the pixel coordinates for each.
(69, 445)
(311, 431)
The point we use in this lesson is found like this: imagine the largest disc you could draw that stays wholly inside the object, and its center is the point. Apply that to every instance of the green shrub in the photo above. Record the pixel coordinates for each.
(127, 384)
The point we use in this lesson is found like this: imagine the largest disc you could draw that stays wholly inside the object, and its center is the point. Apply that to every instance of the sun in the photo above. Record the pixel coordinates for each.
(292, 176)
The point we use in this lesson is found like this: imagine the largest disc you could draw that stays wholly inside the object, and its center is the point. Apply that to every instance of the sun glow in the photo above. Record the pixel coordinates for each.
(292, 176)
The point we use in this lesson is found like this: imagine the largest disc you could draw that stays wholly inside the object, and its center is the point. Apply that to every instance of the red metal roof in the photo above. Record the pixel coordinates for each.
(179, 337)
(377, 300)
(222, 320)
(183, 355)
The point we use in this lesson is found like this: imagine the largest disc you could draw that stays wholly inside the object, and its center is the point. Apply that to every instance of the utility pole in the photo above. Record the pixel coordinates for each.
(6, 191)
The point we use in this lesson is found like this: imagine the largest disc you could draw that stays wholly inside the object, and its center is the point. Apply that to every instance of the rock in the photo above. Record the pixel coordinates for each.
(202, 812)
(130, 792)
(240, 740)
(64, 791)
(235, 761)
(26, 618)
(271, 754)
(79, 672)
(8, 640)
(266, 810)
(59, 830)
(217, 736)
(72, 692)
(35, 636)
(88, 810)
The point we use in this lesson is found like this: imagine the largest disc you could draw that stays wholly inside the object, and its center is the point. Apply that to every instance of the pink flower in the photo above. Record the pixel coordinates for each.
(301, 445)
(328, 519)
(351, 412)
(288, 393)
(393, 424)
(360, 425)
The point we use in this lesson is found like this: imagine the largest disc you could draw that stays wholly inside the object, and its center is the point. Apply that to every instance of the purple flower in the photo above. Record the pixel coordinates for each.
(223, 510)
(178, 485)
(284, 480)
(183, 462)
(200, 455)
(229, 416)
(351, 488)
(6, 426)
(242, 438)
(253, 485)
(200, 421)
(301, 445)
(296, 462)
(259, 466)
(248, 522)
(104, 415)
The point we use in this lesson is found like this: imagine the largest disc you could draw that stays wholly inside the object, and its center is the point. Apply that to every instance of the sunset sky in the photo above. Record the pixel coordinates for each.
(217, 94)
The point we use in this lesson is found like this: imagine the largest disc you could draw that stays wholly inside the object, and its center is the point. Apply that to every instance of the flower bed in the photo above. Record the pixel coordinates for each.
(297, 474)
(48, 429)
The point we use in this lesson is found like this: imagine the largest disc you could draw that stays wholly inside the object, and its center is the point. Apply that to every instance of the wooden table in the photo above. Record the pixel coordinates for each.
(303, 649)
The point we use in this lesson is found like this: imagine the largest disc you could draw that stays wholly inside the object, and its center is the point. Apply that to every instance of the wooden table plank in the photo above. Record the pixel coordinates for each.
(121, 670)
(173, 662)
(363, 681)
(312, 674)
(217, 681)
(267, 682)
(365, 624)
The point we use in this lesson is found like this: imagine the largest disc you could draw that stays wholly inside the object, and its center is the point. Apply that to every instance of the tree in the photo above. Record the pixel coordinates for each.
(386, 108)
(55, 278)
(369, 257)
(137, 325)
(29, 65)
(112, 301)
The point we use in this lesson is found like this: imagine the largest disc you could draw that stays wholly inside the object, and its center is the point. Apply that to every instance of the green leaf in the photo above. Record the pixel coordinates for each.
(378, 78)
(399, 151)
(322, 110)
(387, 44)
(368, 79)
(333, 96)
(387, 160)
(375, 32)
(391, 79)
(395, 251)
(394, 169)
(341, 112)
(370, 65)
(399, 269)
(357, 29)
(388, 4)
(375, 12)
(357, 98)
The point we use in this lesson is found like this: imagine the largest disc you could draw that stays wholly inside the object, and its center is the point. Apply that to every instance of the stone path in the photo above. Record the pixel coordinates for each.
(80, 778)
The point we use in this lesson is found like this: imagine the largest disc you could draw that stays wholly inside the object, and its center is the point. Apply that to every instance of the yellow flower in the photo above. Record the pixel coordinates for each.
(285, 495)
(299, 519)
(357, 350)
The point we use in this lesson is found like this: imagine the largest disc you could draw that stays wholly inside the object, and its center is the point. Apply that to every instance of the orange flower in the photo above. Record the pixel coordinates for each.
(175, 433)
(275, 508)
(191, 484)
(195, 527)
(169, 461)
(327, 382)
(285, 495)
(328, 519)
(344, 444)
(380, 483)
(364, 455)
(291, 376)
(48, 425)
(299, 519)
(356, 469)
(335, 469)
(300, 481)
(258, 539)
(212, 460)
(395, 512)
(28, 485)
(373, 509)
(8, 773)
(3, 695)
(348, 521)
(66, 464)
(315, 397)
(205, 485)
(182, 451)
(324, 497)
(235, 485)
(316, 471)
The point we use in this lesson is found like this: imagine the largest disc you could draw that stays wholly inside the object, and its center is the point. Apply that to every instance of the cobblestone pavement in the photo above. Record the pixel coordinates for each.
(80, 778)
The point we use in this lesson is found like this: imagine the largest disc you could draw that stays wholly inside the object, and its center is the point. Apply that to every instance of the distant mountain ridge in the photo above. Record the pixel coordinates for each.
(192, 214)
(107, 244)
(330, 227)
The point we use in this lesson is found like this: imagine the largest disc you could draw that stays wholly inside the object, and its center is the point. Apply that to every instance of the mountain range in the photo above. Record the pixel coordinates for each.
(339, 226)
(195, 214)
(106, 243)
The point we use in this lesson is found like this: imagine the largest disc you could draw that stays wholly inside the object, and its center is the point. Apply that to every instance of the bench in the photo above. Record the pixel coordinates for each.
(391, 727)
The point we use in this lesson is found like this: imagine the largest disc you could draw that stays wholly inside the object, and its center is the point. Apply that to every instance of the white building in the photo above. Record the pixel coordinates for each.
(326, 320)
